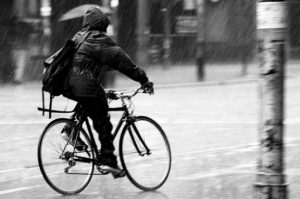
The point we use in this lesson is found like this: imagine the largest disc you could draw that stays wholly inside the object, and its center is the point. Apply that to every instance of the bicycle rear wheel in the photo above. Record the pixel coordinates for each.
(145, 158)
(66, 170)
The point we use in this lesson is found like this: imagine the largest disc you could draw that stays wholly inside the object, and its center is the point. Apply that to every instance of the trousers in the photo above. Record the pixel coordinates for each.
(97, 109)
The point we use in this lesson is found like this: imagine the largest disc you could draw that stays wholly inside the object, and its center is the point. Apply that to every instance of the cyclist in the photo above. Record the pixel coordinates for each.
(83, 81)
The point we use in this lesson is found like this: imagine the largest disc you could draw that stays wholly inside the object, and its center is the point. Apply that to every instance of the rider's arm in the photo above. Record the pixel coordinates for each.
(116, 58)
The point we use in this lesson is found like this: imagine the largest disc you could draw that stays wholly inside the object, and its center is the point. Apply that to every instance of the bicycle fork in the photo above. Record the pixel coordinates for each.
(132, 128)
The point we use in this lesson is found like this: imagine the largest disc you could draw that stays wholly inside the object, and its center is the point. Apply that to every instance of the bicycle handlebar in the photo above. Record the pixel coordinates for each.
(115, 95)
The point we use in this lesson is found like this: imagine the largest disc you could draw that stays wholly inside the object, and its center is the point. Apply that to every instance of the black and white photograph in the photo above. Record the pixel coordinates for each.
(149, 99)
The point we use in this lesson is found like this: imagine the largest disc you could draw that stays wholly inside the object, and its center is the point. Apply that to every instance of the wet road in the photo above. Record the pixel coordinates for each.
(212, 130)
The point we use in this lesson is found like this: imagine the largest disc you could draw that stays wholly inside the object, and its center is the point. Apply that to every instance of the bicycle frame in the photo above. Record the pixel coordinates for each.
(125, 118)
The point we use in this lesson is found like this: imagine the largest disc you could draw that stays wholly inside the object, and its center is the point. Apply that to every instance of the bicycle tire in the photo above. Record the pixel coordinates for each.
(140, 170)
(54, 170)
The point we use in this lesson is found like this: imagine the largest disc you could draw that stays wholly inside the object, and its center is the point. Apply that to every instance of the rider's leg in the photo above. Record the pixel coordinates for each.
(97, 110)
(66, 132)
(104, 127)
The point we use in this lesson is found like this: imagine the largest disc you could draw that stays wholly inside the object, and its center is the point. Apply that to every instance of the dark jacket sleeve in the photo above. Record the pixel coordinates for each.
(116, 58)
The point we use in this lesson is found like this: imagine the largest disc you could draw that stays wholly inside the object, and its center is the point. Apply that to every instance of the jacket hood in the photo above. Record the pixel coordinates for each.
(94, 18)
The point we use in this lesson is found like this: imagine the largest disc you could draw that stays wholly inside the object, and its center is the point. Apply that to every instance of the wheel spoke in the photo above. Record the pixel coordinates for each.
(146, 171)
(66, 171)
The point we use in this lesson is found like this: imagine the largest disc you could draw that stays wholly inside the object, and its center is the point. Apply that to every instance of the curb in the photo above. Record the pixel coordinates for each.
(209, 83)
(158, 86)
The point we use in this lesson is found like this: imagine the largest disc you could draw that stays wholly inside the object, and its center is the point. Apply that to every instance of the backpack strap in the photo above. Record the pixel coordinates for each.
(50, 105)
(85, 35)
(43, 100)
(43, 109)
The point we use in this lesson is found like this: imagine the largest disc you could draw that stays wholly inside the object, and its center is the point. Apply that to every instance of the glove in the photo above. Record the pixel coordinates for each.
(148, 87)
(111, 95)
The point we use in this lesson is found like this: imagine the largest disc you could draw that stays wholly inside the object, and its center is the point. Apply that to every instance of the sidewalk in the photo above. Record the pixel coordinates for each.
(214, 74)
(182, 74)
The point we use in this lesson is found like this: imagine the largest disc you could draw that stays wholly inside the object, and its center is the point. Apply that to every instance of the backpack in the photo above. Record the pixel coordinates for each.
(56, 68)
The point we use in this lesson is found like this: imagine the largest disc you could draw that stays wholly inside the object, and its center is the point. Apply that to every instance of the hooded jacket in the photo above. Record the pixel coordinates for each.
(96, 52)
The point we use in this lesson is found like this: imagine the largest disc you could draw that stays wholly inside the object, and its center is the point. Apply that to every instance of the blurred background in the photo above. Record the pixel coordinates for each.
(174, 40)
(211, 125)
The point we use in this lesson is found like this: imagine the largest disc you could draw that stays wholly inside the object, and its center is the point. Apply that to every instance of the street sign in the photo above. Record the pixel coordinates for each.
(186, 24)
(271, 15)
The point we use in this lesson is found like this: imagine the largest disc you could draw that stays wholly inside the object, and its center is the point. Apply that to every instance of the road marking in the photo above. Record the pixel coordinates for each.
(221, 122)
(11, 170)
(241, 169)
(23, 122)
(235, 149)
(19, 138)
(165, 121)
(236, 170)
(17, 189)
(216, 149)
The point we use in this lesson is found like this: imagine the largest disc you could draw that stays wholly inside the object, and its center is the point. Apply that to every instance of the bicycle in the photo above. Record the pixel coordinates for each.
(144, 149)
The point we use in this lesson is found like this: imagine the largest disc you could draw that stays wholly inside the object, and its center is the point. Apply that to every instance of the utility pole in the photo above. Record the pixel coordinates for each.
(45, 10)
(7, 65)
(143, 31)
(200, 53)
(167, 32)
(271, 26)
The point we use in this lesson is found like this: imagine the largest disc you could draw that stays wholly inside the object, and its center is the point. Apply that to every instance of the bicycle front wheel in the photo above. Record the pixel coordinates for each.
(145, 153)
(65, 169)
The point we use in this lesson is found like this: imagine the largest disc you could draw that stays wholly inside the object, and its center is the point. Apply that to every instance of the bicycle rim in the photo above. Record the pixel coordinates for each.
(55, 156)
(150, 171)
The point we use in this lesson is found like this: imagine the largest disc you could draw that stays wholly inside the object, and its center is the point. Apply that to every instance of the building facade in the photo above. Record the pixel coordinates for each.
(228, 24)
(153, 29)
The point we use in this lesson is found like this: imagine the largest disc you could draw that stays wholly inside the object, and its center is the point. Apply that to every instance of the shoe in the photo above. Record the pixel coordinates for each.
(80, 145)
(114, 170)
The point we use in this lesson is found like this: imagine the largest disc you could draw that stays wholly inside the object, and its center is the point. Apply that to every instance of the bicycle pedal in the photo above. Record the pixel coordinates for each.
(101, 171)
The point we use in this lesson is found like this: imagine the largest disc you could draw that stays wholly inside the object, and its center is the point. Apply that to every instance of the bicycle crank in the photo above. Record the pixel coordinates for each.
(71, 163)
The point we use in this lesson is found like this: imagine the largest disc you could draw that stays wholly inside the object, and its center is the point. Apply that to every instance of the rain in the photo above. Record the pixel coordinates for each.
(226, 88)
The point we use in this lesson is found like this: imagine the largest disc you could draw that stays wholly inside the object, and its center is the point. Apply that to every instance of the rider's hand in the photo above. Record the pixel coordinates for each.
(148, 87)
(111, 95)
